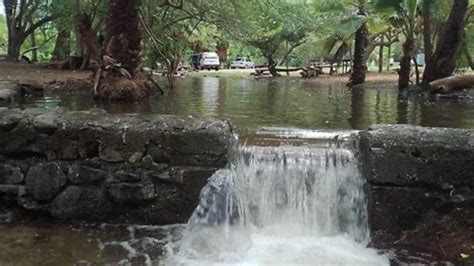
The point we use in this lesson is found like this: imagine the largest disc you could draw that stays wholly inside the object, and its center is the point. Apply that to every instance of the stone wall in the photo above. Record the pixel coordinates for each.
(421, 183)
(100, 167)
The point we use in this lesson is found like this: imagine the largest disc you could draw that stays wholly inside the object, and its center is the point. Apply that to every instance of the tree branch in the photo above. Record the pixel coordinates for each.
(38, 24)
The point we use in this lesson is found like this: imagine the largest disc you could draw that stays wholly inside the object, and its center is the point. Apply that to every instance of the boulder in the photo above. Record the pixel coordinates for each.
(45, 181)
(84, 203)
(131, 192)
(10, 174)
(83, 174)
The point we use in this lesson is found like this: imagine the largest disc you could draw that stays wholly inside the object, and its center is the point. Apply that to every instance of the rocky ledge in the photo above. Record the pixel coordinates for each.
(421, 184)
(100, 167)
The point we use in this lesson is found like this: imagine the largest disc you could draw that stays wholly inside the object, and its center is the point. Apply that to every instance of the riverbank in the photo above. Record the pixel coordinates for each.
(37, 74)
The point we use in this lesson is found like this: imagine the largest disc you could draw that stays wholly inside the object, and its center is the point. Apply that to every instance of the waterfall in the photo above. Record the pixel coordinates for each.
(281, 205)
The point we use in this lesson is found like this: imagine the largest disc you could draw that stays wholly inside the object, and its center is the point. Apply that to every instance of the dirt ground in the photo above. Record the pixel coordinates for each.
(24, 73)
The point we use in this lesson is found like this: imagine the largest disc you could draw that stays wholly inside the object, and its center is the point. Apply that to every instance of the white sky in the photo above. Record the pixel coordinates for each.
(2, 10)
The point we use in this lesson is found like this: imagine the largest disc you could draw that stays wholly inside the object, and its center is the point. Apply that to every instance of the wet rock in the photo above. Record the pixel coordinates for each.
(9, 121)
(157, 176)
(148, 163)
(193, 179)
(8, 192)
(85, 203)
(9, 92)
(131, 192)
(109, 154)
(10, 174)
(122, 176)
(26, 201)
(45, 181)
(46, 123)
(159, 154)
(136, 157)
(80, 174)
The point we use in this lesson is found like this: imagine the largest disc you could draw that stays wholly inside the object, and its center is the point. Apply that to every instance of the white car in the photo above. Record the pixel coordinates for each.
(242, 62)
(209, 61)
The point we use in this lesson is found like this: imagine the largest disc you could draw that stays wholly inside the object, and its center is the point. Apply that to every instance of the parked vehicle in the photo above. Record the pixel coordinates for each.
(242, 62)
(209, 61)
(194, 61)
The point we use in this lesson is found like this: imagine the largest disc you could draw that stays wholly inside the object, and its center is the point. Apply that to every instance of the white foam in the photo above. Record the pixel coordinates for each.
(281, 206)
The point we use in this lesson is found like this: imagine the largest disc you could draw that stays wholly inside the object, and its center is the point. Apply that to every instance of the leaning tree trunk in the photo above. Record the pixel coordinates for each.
(360, 63)
(443, 61)
(34, 51)
(405, 64)
(119, 76)
(450, 84)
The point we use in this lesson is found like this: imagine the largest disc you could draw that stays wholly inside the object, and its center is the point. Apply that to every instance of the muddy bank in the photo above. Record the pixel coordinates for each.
(421, 183)
(99, 167)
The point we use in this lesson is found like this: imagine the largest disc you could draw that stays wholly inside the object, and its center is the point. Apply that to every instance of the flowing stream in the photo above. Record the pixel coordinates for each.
(281, 205)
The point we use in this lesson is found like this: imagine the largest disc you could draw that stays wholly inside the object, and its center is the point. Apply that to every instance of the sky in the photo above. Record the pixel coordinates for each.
(2, 10)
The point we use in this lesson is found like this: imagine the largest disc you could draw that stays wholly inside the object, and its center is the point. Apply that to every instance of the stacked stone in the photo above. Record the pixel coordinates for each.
(108, 168)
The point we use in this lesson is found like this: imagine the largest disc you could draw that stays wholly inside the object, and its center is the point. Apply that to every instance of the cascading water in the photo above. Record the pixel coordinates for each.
(281, 205)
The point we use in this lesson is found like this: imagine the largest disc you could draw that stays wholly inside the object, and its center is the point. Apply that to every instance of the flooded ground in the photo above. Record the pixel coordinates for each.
(251, 104)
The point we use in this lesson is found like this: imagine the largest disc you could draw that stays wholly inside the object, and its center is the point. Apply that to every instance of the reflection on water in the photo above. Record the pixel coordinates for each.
(251, 104)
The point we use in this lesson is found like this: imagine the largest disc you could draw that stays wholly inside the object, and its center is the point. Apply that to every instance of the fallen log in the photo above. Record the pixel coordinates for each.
(447, 85)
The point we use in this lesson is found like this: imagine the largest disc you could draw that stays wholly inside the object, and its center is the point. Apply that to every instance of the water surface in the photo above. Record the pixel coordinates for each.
(251, 104)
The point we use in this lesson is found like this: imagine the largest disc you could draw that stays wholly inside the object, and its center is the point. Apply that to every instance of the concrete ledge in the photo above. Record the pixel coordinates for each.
(108, 168)
(420, 180)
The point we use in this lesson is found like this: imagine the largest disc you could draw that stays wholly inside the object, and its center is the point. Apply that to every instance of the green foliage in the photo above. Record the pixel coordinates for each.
(3, 35)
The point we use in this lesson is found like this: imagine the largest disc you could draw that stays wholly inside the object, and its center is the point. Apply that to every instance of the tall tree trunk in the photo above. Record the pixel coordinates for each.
(381, 55)
(427, 30)
(120, 60)
(443, 61)
(405, 64)
(123, 33)
(360, 63)
(61, 47)
(79, 44)
(14, 46)
(389, 52)
(34, 51)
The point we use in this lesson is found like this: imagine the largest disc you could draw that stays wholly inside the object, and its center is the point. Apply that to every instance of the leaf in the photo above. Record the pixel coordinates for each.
(464, 256)
(411, 6)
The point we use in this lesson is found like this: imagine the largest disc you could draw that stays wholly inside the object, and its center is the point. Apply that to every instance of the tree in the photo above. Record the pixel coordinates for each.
(443, 62)
(119, 76)
(366, 28)
(21, 23)
(359, 67)
(402, 14)
(427, 32)
(276, 28)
